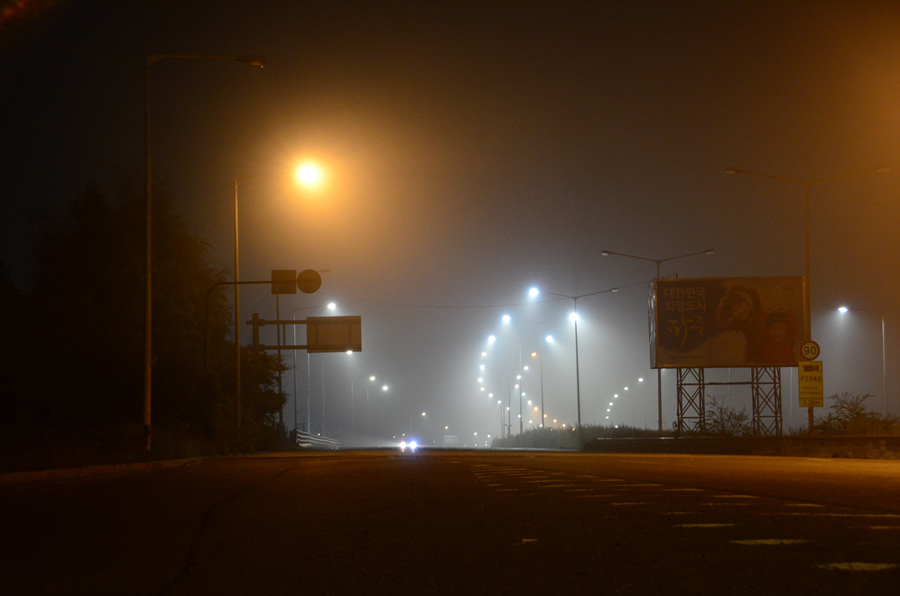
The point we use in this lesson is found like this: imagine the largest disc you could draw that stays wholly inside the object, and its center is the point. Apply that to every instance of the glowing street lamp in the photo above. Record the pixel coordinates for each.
(533, 293)
(844, 310)
(807, 184)
(311, 178)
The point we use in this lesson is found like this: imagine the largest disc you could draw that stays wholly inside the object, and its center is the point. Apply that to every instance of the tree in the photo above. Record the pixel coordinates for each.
(725, 421)
(849, 415)
(82, 350)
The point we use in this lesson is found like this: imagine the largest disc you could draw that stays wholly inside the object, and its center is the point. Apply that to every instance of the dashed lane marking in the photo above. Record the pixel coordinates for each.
(857, 566)
(770, 541)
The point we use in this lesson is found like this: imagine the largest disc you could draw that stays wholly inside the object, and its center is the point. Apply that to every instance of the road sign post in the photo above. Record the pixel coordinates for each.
(813, 378)
(811, 388)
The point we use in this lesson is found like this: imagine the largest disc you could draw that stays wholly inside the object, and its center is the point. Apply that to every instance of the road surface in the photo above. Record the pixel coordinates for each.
(461, 522)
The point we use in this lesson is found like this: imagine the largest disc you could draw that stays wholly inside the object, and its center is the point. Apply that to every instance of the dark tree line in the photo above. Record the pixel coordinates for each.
(72, 336)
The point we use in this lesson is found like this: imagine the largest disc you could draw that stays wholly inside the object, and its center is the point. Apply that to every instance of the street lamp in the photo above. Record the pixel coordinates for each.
(807, 184)
(308, 175)
(843, 310)
(658, 262)
(254, 61)
(384, 388)
(534, 292)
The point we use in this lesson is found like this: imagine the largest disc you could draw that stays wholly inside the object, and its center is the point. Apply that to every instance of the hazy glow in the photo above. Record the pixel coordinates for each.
(842, 309)
(309, 174)
(549, 339)
(507, 318)
(533, 292)
(573, 317)
(332, 306)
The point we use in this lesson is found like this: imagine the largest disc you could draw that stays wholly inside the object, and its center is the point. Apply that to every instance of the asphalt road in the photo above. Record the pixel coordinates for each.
(461, 522)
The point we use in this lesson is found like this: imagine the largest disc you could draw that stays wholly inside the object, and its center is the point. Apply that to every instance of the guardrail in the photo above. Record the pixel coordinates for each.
(310, 441)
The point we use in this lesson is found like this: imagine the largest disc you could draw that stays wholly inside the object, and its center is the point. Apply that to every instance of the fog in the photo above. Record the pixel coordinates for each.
(475, 150)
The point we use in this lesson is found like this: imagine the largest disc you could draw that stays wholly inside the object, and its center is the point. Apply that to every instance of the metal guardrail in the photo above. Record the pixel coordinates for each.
(310, 441)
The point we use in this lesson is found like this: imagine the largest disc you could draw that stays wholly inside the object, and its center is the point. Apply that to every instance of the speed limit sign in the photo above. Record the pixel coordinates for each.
(810, 350)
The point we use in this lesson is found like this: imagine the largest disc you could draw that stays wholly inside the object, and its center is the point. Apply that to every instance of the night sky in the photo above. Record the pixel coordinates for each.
(476, 149)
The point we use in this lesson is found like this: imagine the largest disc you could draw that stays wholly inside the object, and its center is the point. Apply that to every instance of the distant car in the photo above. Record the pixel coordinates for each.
(412, 446)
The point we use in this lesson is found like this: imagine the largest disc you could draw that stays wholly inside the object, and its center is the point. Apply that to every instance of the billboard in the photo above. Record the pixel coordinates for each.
(727, 322)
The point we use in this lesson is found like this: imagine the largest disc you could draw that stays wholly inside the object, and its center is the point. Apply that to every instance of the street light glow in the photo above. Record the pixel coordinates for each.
(309, 174)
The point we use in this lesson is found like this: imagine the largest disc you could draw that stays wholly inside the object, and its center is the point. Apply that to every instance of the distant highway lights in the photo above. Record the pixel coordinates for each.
(534, 293)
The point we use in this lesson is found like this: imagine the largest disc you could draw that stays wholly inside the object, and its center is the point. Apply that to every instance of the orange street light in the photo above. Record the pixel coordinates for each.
(308, 175)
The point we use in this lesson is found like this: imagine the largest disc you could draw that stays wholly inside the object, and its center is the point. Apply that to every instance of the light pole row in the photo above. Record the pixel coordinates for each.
(658, 262)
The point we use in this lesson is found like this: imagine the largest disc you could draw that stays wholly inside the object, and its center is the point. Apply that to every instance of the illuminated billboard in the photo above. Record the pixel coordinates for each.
(727, 322)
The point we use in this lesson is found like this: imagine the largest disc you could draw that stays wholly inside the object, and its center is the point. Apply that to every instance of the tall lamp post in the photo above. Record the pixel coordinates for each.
(658, 262)
(384, 388)
(807, 184)
(843, 310)
(307, 175)
(533, 292)
(255, 61)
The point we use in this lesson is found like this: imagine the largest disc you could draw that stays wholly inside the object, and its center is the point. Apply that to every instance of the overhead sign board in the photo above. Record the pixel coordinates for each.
(727, 322)
(333, 334)
(811, 386)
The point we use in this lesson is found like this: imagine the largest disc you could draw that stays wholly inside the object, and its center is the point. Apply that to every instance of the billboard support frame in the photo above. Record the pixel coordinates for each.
(691, 401)
(767, 416)
(765, 385)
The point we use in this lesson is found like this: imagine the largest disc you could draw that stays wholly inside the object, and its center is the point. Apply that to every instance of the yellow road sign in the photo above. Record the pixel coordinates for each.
(811, 388)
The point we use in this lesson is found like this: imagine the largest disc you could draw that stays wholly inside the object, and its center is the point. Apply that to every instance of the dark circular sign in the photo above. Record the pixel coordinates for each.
(309, 281)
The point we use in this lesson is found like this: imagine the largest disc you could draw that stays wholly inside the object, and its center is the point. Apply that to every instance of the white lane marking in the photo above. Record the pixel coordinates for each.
(770, 541)
(859, 515)
(857, 566)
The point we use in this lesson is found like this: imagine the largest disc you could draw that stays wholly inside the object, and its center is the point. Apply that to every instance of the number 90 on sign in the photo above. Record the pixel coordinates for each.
(810, 350)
